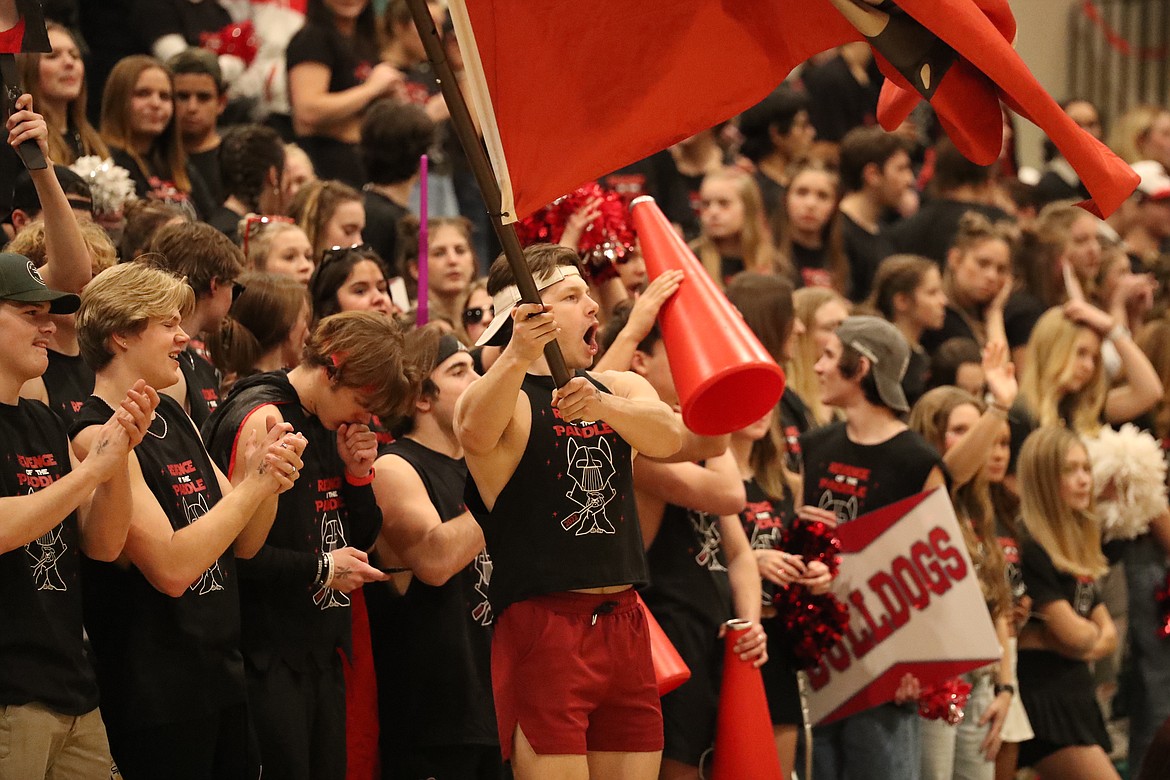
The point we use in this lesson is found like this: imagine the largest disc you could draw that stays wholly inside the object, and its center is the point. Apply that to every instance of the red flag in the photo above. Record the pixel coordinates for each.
(568, 91)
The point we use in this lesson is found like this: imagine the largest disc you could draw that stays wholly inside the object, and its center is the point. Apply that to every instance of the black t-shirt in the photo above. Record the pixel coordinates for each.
(203, 382)
(162, 659)
(917, 376)
(207, 164)
(381, 230)
(159, 184)
(41, 655)
(765, 519)
(811, 265)
(320, 44)
(1046, 584)
(188, 18)
(838, 102)
(1011, 556)
(432, 646)
(1053, 187)
(566, 519)
(772, 193)
(1020, 314)
(227, 222)
(955, 326)
(286, 614)
(865, 251)
(688, 571)
(795, 419)
(853, 479)
(931, 232)
(677, 194)
(69, 382)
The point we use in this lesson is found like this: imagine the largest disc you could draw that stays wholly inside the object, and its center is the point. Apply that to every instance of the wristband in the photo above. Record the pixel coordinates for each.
(1118, 331)
(360, 481)
(1004, 688)
(329, 580)
(320, 568)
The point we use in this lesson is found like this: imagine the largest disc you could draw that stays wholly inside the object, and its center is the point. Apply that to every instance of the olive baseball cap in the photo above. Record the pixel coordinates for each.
(20, 281)
(888, 353)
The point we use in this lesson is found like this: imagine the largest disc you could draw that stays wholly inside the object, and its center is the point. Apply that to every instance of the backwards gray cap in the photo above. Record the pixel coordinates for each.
(888, 354)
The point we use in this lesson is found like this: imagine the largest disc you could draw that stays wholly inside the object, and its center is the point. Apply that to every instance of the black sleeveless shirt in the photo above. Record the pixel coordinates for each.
(203, 381)
(286, 614)
(69, 382)
(41, 655)
(162, 659)
(434, 643)
(688, 571)
(566, 519)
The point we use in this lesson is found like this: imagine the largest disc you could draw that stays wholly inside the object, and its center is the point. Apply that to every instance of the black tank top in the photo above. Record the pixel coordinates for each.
(765, 519)
(286, 614)
(852, 479)
(203, 381)
(41, 655)
(688, 571)
(566, 519)
(434, 643)
(162, 659)
(68, 381)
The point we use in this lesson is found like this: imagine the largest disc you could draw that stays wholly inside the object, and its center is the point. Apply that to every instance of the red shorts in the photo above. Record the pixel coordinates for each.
(573, 670)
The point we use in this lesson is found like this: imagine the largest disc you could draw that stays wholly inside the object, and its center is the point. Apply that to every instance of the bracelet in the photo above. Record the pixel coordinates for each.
(320, 568)
(329, 580)
(1119, 331)
(360, 481)
(999, 688)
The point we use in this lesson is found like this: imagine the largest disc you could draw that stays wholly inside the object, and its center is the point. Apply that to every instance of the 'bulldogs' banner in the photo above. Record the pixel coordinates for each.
(915, 607)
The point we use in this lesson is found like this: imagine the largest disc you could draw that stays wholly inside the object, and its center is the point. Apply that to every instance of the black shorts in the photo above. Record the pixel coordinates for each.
(689, 712)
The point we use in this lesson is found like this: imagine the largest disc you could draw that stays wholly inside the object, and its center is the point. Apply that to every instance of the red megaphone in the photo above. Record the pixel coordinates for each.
(670, 670)
(744, 746)
(724, 377)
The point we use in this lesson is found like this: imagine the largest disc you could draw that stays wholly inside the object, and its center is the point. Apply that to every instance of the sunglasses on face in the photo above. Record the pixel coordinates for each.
(475, 316)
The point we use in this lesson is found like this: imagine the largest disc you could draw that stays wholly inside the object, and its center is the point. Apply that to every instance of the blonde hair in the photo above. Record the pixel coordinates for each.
(806, 302)
(1128, 130)
(1050, 352)
(30, 242)
(1071, 538)
(122, 300)
(931, 417)
(755, 240)
(315, 204)
(59, 151)
(260, 237)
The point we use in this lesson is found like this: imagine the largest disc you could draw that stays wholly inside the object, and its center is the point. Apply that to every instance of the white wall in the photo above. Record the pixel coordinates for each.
(1041, 40)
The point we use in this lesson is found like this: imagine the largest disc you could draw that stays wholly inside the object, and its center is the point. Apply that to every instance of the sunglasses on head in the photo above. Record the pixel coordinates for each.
(475, 316)
(254, 222)
(338, 252)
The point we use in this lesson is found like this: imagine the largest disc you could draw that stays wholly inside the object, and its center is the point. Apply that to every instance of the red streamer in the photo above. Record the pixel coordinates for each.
(1118, 42)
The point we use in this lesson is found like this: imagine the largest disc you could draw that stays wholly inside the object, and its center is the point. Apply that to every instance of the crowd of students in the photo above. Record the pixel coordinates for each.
(262, 518)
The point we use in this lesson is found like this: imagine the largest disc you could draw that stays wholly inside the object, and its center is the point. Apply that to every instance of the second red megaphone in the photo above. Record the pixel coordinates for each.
(725, 378)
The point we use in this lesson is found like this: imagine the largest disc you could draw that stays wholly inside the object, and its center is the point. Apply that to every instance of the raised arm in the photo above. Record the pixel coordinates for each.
(489, 405)
(969, 453)
(69, 267)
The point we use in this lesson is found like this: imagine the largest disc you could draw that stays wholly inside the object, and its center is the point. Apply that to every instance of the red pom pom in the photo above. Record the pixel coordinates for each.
(945, 701)
(236, 39)
(1162, 597)
(814, 541)
(609, 238)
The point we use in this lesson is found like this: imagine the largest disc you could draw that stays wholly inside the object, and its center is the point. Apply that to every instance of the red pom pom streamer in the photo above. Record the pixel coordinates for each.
(945, 701)
(609, 237)
(1162, 598)
(812, 623)
(236, 39)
